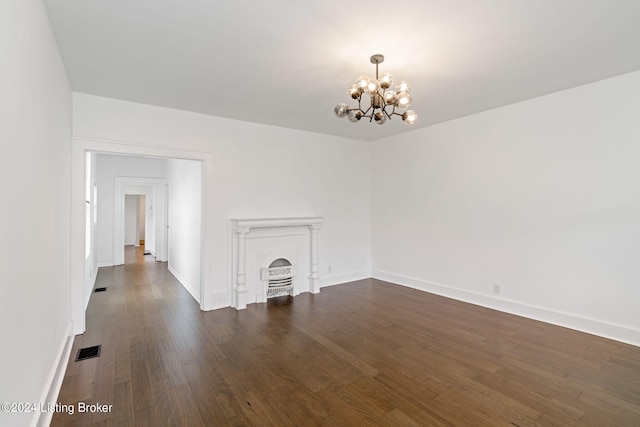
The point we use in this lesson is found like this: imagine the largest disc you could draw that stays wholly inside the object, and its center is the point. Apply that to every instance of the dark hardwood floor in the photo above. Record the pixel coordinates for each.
(363, 353)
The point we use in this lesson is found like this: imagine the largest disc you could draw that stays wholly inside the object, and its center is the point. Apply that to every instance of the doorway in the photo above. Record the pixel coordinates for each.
(135, 217)
(154, 191)
(80, 148)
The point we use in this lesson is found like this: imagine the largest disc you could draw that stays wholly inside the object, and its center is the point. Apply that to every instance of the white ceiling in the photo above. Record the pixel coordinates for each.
(289, 62)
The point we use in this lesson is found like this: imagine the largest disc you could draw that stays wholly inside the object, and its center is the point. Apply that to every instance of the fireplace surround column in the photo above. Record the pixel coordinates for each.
(240, 290)
(314, 278)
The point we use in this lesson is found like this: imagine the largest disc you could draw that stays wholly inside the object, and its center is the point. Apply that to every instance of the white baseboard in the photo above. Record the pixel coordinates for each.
(339, 279)
(89, 289)
(184, 283)
(580, 323)
(222, 299)
(54, 382)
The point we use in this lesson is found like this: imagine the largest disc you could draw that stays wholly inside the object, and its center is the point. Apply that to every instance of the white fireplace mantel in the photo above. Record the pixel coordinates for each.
(276, 222)
(242, 227)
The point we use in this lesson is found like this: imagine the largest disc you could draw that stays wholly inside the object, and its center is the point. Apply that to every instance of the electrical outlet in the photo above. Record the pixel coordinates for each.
(329, 269)
(496, 288)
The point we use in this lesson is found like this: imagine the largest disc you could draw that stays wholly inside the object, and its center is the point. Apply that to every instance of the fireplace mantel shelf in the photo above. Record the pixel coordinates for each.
(275, 222)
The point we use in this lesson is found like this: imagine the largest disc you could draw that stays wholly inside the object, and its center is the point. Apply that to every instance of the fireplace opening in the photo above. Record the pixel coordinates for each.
(279, 277)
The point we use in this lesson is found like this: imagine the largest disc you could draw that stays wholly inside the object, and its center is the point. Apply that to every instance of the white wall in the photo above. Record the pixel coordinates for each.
(110, 167)
(131, 203)
(541, 197)
(324, 176)
(185, 215)
(35, 146)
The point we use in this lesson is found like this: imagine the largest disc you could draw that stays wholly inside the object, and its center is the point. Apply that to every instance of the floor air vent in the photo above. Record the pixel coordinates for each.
(88, 353)
(100, 289)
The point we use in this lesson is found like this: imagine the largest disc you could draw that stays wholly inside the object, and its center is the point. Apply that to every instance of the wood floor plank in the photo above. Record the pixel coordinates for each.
(562, 413)
(259, 413)
(140, 385)
(123, 401)
(399, 418)
(362, 353)
(198, 380)
(412, 398)
(346, 413)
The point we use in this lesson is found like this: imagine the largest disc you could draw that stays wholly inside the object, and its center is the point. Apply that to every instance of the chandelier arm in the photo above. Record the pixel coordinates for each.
(360, 107)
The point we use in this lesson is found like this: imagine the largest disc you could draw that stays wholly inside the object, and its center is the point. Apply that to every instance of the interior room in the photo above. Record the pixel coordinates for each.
(455, 243)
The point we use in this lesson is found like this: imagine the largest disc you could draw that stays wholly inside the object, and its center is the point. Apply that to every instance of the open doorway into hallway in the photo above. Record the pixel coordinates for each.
(133, 207)
(135, 218)
(128, 214)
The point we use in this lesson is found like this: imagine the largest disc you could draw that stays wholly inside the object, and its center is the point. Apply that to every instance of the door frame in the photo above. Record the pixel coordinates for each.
(155, 190)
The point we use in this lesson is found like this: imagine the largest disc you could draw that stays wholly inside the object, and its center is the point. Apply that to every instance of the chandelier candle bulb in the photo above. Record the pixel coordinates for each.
(341, 110)
(390, 97)
(386, 81)
(404, 100)
(373, 86)
(362, 82)
(355, 115)
(409, 116)
(382, 103)
(402, 87)
(355, 92)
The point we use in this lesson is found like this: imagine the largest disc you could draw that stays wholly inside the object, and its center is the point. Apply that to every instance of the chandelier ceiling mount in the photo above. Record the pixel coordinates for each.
(382, 102)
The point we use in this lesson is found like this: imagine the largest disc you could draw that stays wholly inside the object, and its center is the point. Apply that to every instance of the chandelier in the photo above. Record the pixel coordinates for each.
(382, 102)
